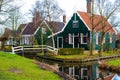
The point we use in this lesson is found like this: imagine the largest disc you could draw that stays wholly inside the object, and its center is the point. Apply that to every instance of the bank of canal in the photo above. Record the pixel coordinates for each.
(80, 69)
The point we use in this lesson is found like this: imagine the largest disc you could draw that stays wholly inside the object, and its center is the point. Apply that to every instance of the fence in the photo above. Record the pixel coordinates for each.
(33, 48)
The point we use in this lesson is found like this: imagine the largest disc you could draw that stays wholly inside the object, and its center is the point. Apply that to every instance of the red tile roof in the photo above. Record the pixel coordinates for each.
(109, 77)
(97, 20)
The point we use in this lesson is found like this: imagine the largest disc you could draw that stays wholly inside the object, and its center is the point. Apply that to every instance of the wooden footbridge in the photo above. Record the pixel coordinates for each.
(33, 49)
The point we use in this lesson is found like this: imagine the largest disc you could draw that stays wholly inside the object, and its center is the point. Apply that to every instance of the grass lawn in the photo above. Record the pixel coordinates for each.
(14, 67)
(82, 56)
(114, 62)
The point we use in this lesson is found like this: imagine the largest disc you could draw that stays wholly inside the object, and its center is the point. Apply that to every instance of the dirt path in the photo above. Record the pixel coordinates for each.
(63, 75)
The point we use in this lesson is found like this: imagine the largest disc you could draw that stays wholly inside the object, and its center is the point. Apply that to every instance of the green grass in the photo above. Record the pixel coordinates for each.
(114, 62)
(81, 56)
(14, 67)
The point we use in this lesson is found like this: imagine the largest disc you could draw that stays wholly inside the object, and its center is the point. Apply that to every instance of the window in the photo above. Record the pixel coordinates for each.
(71, 71)
(84, 72)
(70, 39)
(110, 37)
(104, 39)
(84, 38)
(75, 24)
(97, 38)
(44, 30)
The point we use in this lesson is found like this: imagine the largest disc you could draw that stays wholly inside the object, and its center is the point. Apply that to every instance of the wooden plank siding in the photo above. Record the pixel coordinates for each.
(70, 30)
(82, 28)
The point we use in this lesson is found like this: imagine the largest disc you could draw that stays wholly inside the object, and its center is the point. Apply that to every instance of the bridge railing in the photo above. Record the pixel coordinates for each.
(17, 49)
(34, 48)
(55, 50)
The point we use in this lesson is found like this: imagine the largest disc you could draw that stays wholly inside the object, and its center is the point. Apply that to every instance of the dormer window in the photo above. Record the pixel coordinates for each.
(43, 30)
(75, 24)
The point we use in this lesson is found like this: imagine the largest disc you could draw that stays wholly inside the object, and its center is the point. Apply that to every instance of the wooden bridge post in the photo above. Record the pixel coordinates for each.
(13, 51)
(22, 51)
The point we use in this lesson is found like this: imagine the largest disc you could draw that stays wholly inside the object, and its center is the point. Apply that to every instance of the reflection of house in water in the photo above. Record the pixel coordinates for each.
(89, 72)
(78, 70)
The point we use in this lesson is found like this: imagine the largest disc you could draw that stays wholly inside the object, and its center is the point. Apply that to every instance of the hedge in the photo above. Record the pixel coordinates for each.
(70, 51)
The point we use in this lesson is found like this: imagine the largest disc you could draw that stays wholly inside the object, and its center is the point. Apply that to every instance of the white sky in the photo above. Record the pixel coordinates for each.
(69, 6)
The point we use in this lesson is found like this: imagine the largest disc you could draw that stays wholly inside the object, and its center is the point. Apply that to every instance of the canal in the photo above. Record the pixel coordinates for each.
(78, 71)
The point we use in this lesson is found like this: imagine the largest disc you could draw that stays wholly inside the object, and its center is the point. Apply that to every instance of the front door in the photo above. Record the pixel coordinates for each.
(60, 42)
(76, 45)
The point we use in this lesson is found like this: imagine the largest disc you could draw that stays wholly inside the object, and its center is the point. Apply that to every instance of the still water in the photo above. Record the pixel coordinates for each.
(88, 71)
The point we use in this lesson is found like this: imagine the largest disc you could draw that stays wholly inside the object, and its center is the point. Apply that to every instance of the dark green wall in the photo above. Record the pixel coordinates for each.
(81, 29)
(69, 29)
(38, 35)
(107, 45)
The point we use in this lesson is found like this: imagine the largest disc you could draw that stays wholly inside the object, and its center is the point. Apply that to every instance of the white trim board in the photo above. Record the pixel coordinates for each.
(58, 42)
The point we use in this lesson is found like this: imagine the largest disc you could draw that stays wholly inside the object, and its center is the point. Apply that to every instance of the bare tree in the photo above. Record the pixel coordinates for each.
(48, 9)
(15, 18)
(106, 10)
(6, 7)
(4, 38)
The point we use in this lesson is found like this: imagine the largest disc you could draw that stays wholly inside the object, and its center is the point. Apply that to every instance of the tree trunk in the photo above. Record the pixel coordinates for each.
(92, 44)
(3, 45)
(101, 45)
(92, 23)
(101, 50)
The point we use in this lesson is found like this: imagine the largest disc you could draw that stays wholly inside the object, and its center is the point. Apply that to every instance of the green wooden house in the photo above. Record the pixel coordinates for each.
(77, 33)
(38, 34)
(37, 31)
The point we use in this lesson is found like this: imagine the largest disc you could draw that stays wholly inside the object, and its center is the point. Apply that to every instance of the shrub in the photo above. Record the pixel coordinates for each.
(71, 51)
(8, 48)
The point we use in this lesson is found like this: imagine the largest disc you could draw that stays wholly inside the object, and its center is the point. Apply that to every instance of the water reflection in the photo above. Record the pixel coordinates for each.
(79, 71)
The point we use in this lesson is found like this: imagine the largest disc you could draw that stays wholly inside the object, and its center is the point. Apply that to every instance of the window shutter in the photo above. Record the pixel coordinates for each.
(88, 40)
(79, 40)
(99, 40)
(67, 39)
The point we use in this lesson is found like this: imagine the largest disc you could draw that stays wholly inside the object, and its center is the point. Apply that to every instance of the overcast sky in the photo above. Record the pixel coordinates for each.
(69, 6)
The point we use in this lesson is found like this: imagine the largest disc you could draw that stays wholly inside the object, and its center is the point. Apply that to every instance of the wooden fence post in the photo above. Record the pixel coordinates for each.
(13, 52)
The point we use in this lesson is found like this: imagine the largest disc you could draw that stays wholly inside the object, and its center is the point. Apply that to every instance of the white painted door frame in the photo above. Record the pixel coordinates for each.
(58, 42)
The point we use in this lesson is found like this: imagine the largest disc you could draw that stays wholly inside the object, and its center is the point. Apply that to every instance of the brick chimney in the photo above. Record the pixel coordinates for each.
(64, 18)
(36, 19)
(89, 3)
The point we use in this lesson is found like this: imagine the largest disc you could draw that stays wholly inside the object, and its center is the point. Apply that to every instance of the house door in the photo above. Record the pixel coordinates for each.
(76, 45)
(60, 42)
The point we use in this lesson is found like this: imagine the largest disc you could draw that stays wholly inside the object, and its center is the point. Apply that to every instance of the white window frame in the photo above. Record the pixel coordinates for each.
(82, 37)
(58, 42)
(82, 76)
(26, 39)
(97, 38)
(75, 22)
(72, 71)
(70, 38)
(110, 38)
(44, 30)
